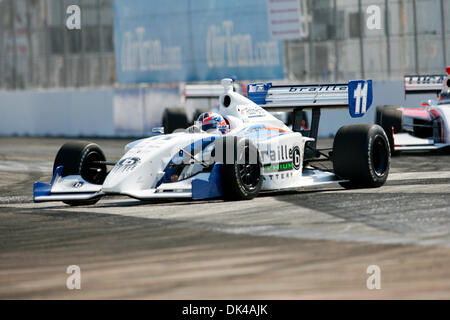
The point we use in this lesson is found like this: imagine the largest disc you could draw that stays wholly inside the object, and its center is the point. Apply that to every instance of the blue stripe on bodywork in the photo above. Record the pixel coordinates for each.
(193, 149)
(41, 189)
(208, 188)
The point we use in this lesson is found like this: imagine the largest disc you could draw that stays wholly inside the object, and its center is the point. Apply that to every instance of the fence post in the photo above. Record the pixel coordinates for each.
(30, 48)
(416, 45)
(361, 44)
(12, 12)
(444, 36)
(310, 40)
(336, 44)
(65, 43)
(101, 41)
(388, 39)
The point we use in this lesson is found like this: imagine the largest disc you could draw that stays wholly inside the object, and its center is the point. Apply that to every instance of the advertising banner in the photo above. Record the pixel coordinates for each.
(194, 40)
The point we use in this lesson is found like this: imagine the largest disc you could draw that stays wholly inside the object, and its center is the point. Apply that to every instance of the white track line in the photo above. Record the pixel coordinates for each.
(424, 175)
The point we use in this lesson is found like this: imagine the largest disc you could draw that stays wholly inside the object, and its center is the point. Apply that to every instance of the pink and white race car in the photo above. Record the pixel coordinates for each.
(423, 128)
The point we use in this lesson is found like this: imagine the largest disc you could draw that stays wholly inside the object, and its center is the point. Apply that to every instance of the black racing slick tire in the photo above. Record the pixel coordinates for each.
(174, 118)
(361, 155)
(241, 179)
(81, 158)
(390, 118)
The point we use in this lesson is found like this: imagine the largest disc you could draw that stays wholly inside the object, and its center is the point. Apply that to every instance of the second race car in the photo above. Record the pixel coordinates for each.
(419, 128)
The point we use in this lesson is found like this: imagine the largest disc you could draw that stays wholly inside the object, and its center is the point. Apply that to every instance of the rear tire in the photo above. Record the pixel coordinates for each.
(389, 117)
(174, 118)
(361, 155)
(242, 179)
(78, 158)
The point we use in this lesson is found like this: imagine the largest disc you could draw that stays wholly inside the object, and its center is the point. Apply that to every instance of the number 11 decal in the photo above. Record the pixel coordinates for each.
(360, 97)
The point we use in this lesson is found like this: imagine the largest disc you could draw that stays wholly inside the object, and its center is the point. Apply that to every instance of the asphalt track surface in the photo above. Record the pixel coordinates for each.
(306, 244)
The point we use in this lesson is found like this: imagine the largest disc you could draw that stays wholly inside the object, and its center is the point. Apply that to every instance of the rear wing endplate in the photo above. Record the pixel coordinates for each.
(356, 95)
(424, 84)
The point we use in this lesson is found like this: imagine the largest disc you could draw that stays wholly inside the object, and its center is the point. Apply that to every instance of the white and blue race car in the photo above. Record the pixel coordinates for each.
(257, 152)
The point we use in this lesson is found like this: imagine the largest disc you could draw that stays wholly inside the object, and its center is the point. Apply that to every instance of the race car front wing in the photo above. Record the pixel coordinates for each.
(204, 185)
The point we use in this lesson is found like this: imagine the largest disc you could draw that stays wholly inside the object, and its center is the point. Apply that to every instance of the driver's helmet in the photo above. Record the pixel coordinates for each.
(444, 96)
(211, 121)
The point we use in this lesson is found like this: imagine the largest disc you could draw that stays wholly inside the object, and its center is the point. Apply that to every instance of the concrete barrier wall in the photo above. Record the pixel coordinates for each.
(57, 112)
(138, 110)
(120, 112)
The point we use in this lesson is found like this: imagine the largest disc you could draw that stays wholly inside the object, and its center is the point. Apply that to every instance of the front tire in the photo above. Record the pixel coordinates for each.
(241, 180)
(361, 154)
(81, 158)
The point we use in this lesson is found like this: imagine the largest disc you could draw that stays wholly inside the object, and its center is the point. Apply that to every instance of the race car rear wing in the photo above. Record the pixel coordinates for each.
(425, 84)
(356, 95)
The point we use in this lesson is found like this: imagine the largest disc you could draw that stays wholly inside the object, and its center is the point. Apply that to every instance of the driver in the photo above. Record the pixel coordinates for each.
(212, 122)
